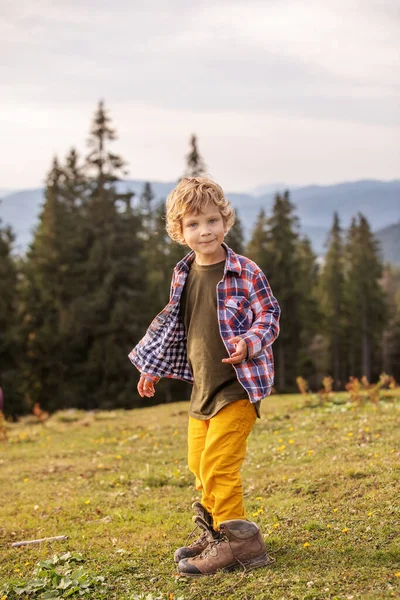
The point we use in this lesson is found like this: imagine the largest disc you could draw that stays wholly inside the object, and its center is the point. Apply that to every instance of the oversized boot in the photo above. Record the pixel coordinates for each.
(204, 521)
(238, 545)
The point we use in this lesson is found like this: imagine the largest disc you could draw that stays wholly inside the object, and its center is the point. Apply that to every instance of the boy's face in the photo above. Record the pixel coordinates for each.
(204, 233)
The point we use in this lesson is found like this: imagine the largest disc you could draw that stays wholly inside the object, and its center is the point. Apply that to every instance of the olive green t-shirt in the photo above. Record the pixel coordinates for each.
(215, 383)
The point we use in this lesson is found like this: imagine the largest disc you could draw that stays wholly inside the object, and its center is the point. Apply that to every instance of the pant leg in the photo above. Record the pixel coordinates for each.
(197, 434)
(222, 458)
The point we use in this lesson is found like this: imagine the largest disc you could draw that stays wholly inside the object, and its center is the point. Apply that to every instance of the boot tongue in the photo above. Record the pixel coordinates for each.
(200, 522)
(202, 512)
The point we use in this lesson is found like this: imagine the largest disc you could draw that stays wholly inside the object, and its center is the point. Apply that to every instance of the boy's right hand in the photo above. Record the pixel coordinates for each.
(145, 387)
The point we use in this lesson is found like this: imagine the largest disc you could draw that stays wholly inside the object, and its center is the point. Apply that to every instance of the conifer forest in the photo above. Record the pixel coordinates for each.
(99, 268)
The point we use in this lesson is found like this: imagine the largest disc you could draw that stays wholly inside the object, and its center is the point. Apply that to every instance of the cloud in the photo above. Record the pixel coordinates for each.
(207, 55)
(220, 64)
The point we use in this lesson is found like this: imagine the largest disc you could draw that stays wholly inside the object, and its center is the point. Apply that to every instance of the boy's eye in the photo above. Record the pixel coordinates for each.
(192, 225)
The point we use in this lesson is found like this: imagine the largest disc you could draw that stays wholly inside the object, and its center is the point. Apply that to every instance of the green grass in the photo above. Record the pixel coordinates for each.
(322, 483)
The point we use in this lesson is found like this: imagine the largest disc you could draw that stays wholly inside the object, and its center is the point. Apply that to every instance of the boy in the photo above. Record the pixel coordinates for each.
(216, 332)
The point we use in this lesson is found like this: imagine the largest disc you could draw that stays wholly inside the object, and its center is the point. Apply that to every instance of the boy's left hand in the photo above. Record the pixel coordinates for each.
(240, 351)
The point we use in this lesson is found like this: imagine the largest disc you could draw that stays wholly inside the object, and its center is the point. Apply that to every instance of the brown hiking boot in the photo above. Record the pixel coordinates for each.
(238, 544)
(204, 521)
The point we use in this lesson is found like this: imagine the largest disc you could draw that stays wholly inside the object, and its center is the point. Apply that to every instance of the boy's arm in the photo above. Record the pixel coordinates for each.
(265, 307)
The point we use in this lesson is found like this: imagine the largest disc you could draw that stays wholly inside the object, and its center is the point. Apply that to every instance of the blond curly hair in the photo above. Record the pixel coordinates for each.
(190, 196)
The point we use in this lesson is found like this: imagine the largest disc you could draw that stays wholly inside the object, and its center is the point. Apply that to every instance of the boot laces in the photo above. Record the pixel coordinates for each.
(200, 538)
(214, 540)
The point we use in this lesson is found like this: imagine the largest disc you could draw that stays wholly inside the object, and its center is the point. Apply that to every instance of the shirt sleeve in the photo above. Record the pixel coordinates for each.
(266, 310)
(141, 354)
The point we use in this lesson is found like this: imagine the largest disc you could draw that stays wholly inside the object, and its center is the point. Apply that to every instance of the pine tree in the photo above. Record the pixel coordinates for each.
(102, 165)
(75, 182)
(41, 292)
(257, 247)
(112, 307)
(331, 293)
(53, 290)
(352, 335)
(83, 284)
(76, 189)
(391, 334)
(366, 305)
(235, 237)
(152, 219)
(274, 247)
(195, 165)
(10, 349)
(308, 365)
(146, 208)
(8, 277)
(281, 267)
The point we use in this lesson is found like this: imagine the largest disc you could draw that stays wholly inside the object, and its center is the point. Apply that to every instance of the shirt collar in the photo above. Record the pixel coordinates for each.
(232, 262)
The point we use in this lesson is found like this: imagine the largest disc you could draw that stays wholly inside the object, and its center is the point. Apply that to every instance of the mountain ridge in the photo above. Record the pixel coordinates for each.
(315, 205)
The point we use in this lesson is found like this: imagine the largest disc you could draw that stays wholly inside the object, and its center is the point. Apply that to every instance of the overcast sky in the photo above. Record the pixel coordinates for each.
(295, 91)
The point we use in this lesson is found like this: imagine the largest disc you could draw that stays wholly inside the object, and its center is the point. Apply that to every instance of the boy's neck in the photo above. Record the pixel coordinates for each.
(204, 261)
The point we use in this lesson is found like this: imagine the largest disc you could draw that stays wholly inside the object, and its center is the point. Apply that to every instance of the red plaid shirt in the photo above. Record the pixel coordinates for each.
(246, 307)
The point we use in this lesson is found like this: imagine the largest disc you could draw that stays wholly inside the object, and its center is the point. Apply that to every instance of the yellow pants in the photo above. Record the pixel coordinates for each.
(217, 448)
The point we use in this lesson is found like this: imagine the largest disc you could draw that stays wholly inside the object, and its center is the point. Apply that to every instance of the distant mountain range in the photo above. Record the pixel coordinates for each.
(379, 201)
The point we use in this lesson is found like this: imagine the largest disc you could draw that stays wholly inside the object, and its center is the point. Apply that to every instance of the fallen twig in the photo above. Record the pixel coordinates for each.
(48, 539)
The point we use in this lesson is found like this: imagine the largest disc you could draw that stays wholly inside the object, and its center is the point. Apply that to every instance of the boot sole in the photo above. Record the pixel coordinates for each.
(248, 565)
(176, 560)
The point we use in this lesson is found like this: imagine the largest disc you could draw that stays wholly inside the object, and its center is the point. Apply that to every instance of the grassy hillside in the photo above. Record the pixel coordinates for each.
(322, 483)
